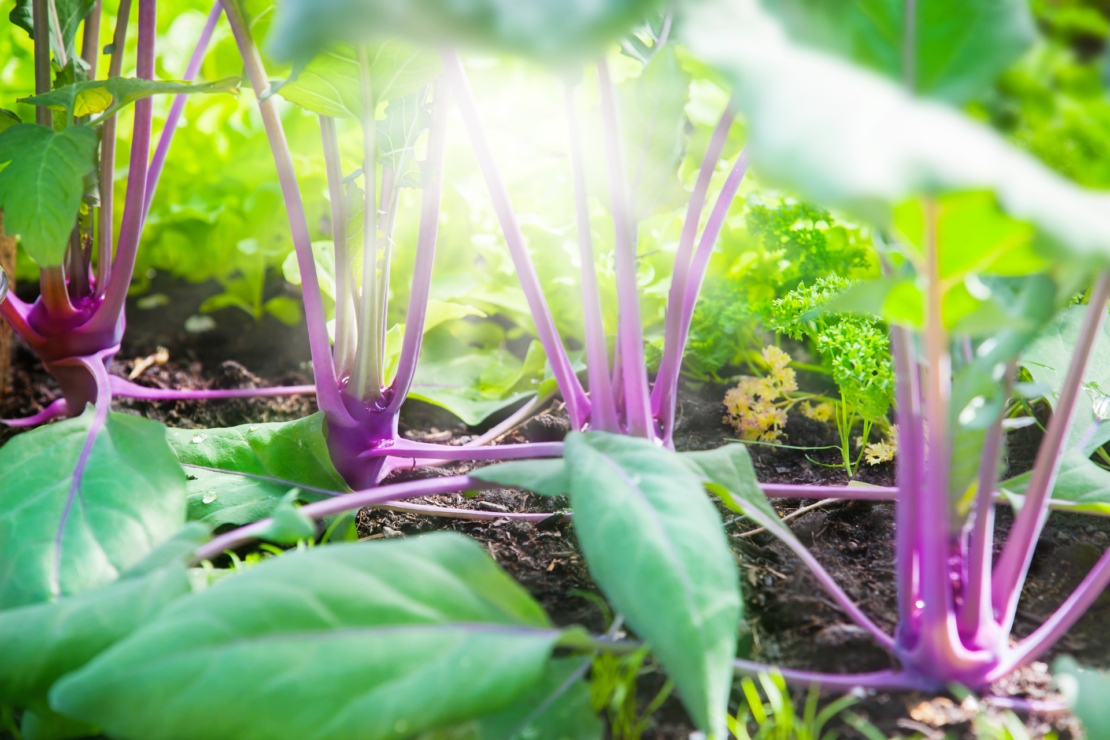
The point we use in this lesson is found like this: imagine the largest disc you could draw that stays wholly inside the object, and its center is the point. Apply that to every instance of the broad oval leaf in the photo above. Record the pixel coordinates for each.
(545, 477)
(43, 642)
(378, 640)
(539, 28)
(131, 498)
(262, 462)
(41, 187)
(957, 48)
(655, 544)
(846, 137)
(1086, 690)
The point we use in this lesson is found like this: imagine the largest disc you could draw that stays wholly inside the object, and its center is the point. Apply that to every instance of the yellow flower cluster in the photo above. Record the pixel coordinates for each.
(818, 411)
(754, 408)
(880, 452)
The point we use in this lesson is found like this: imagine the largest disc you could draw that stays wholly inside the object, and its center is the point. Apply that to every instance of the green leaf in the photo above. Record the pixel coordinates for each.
(130, 500)
(805, 132)
(556, 708)
(273, 456)
(470, 386)
(727, 472)
(1047, 359)
(1086, 690)
(405, 119)
(43, 642)
(288, 525)
(330, 83)
(654, 121)
(40, 186)
(959, 47)
(545, 477)
(8, 119)
(109, 95)
(377, 640)
(70, 15)
(656, 547)
(1079, 480)
(539, 29)
(177, 549)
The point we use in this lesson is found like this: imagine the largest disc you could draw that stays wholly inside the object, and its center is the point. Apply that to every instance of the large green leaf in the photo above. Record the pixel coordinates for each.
(543, 28)
(654, 119)
(846, 137)
(655, 545)
(109, 95)
(130, 499)
(545, 477)
(958, 47)
(377, 640)
(43, 642)
(330, 83)
(1047, 361)
(1086, 690)
(41, 187)
(728, 473)
(274, 457)
(405, 119)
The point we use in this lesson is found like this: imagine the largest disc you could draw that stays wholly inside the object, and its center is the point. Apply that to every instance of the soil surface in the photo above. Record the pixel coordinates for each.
(788, 619)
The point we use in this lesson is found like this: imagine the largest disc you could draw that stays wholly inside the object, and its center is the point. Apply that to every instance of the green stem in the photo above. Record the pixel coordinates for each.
(369, 366)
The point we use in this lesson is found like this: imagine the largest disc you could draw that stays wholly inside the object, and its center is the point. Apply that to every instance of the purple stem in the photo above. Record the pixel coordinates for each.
(104, 220)
(95, 365)
(1013, 564)
(976, 618)
(90, 39)
(603, 410)
(578, 405)
(407, 448)
(858, 493)
(637, 403)
(450, 513)
(516, 419)
(178, 107)
(327, 390)
(881, 680)
(425, 250)
(827, 582)
(56, 410)
(127, 389)
(110, 313)
(910, 470)
(1060, 622)
(15, 312)
(40, 19)
(693, 287)
(666, 382)
(346, 502)
(346, 326)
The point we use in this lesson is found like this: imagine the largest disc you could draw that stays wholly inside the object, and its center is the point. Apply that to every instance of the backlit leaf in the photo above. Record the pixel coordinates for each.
(131, 499)
(109, 95)
(41, 186)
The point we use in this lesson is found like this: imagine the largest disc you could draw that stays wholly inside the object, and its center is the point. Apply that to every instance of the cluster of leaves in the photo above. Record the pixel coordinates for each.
(778, 248)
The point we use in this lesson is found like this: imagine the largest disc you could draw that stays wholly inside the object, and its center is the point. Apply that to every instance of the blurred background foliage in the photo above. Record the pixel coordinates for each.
(219, 216)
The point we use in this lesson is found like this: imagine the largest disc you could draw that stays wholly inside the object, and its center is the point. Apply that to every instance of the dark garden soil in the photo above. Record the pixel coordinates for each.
(788, 619)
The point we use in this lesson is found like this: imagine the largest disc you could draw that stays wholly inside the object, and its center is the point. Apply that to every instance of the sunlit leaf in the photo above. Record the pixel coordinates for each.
(535, 27)
(111, 94)
(269, 458)
(41, 187)
(957, 47)
(330, 83)
(379, 640)
(846, 137)
(130, 499)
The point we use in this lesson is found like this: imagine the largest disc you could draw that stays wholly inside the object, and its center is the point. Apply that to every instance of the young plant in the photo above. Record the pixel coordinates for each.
(853, 349)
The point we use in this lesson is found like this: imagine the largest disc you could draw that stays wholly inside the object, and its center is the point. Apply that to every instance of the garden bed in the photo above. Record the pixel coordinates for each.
(789, 619)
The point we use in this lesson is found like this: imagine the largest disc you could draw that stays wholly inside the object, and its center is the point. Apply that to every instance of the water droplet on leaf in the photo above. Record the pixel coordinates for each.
(198, 438)
(209, 497)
